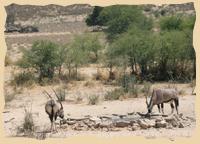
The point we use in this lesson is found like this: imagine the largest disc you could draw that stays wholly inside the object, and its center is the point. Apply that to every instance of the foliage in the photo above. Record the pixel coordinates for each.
(164, 55)
(28, 123)
(171, 23)
(8, 61)
(118, 18)
(24, 79)
(146, 88)
(61, 94)
(43, 56)
(92, 19)
(9, 97)
(93, 99)
(114, 95)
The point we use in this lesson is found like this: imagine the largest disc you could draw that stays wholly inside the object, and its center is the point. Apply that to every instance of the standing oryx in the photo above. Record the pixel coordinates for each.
(53, 110)
(161, 96)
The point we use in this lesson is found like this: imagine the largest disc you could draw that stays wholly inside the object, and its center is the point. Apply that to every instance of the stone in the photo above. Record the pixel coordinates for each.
(122, 123)
(161, 124)
(135, 127)
(143, 124)
(181, 125)
(105, 125)
(71, 122)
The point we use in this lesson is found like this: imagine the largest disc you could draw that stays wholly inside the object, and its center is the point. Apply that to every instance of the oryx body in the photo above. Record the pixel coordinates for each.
(54, 110)
(161, 96)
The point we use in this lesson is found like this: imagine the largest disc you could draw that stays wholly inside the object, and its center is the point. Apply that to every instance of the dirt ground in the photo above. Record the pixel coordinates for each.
(35, 99)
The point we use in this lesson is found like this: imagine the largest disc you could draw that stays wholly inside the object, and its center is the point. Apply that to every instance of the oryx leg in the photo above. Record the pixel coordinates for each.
(158, 105)
(162, 107)
(172, 107)
(176, 104)
(51, 119)
(55, 123)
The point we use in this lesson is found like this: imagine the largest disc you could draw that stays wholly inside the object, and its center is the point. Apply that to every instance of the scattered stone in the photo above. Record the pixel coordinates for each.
(71, 122)
(122, 123)
(181, 125)
(106, 124)
(135, 127)
(161, 124)
(191, 118)
(143, 124)
(132, 122)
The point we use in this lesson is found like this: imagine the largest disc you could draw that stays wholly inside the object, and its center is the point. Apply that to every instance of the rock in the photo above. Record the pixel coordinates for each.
(106, 124)
(95, 119)
(71, 122)
(144, 124)
(122, 123)
(181, 125)
(135, 127)
(80, 127)
(119, 115)
(95, 122)
(161, 124)
(172, 120)
(191, 118)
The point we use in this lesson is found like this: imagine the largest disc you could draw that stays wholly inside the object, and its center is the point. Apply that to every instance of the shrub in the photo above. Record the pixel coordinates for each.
(134, 90)
(9, 97)
(78, 99)
(114, 95)
(61, 94)
(23, 79)
(43, 56)
(146, 88)
(89, 83)
(182, 92)
(193, 83)
(28, 123)
(93, 99)
(8, 61)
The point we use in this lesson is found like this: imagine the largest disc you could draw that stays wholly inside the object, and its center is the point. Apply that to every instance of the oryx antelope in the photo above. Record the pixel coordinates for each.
(54, 110)
(161, 96)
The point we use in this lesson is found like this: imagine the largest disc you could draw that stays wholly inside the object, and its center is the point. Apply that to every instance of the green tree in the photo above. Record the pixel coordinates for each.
(92, 19)
(43, 56)
(171, 23)
(118, 18)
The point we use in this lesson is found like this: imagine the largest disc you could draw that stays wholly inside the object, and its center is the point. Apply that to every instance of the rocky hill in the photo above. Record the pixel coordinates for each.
(49, 18)
(55, 18)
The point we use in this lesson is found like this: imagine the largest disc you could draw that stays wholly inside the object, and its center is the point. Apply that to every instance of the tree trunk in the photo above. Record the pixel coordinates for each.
(59, 70)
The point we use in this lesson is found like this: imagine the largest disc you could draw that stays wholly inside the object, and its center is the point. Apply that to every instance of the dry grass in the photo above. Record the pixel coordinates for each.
(193, 83)
(61, 94)
(93, 99)
(25, 79)
(28, 125)
(146, 88)
(78, 99)
(102, 75)
(9, 97)
(8, 61)
(182, 92)
(89, 83)
(114, 95)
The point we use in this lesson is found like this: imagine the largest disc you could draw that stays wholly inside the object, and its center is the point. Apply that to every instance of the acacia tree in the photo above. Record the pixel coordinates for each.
(43, 56)
(176, 50)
